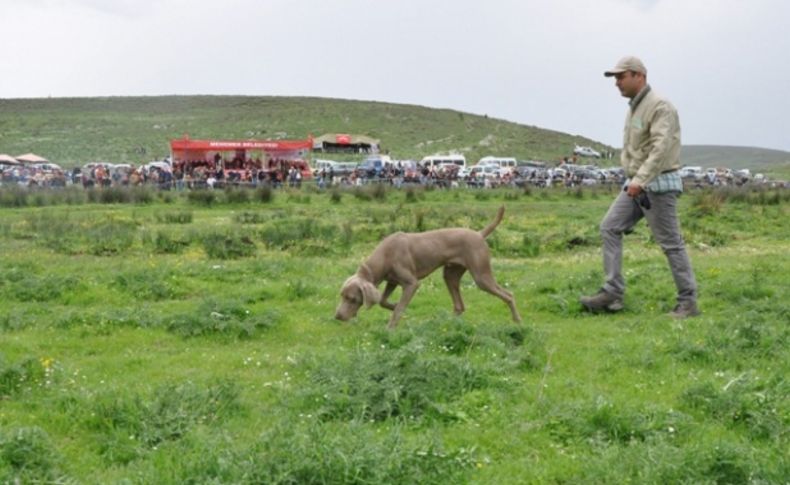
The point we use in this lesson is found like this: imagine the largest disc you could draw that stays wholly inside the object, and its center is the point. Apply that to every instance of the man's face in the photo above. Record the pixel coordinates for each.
(629, 83)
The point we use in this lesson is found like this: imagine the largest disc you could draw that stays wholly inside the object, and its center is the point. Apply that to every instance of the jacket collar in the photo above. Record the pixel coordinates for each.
(639, 97)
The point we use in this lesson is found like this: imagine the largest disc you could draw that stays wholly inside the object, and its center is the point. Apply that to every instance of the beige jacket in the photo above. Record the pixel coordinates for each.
(651, 138)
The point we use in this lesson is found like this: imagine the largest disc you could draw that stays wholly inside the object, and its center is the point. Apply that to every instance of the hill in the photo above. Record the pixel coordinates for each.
(73, 131)
(756, 159)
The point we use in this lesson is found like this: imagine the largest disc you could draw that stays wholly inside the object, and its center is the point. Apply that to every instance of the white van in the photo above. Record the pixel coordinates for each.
(501, 162)
(435, 161)
(691, 172)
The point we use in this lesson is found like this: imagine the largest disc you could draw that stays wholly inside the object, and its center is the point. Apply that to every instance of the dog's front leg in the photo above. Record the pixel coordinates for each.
(391, 285)
(409, 289)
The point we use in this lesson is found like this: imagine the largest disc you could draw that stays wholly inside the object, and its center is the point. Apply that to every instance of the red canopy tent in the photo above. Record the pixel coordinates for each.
(241, 155)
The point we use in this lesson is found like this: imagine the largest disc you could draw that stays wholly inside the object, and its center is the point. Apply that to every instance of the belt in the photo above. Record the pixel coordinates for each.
(669, 171)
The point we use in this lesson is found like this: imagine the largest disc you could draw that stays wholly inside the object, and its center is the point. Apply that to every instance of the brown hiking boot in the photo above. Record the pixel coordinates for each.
(685, 310)
(602, 301)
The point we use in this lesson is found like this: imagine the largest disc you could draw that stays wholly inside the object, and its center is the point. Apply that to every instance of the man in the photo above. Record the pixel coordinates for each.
(650, 157)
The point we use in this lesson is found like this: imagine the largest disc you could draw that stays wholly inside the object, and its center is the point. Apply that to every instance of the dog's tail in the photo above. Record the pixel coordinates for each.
(490, 228)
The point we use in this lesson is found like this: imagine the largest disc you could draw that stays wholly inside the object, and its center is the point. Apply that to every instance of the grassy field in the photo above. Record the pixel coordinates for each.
(190, 339)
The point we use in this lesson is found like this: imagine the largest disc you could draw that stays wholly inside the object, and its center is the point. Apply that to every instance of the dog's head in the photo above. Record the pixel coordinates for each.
(356, 291)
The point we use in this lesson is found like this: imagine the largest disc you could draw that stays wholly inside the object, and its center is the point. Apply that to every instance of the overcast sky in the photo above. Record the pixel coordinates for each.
(723, 63)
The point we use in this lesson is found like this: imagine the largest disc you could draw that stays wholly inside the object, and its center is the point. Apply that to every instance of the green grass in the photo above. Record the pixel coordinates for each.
(174, 341)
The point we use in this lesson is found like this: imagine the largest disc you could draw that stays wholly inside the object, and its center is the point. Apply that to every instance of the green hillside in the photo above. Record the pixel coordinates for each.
(73, 131)
(757, 159)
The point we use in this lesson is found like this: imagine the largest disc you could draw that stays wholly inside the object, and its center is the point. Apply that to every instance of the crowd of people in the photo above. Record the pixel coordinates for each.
(276, 172)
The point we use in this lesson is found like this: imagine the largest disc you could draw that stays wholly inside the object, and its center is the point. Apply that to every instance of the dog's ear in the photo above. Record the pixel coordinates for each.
(364, 272)
(370, 294)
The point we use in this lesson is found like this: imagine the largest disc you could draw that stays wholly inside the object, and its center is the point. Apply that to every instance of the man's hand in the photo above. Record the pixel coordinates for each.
(633, 190)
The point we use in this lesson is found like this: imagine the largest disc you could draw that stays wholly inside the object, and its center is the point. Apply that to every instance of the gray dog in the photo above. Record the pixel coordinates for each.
(406, 258)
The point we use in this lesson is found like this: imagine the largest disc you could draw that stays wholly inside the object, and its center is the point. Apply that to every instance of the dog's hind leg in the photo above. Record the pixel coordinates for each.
(486, 282)
(452, 278)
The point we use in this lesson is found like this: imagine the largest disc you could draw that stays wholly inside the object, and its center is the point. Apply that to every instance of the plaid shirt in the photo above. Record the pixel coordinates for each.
(665, 182)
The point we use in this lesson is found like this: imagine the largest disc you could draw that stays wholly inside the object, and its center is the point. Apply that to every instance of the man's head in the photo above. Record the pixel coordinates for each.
(630, 76)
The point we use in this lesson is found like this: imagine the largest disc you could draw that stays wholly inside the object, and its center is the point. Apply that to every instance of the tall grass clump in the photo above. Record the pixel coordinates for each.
(299, 290)
(264, 194)
(110, 237)
(225, 318)
(335, 195)
(603, 423)
(759, 406)
(17, 376)
(667, 461)
(202, 197)
(377, 386)
(299, 233)
(148, 285)
(313, 452)
(247, 217)
(142, 194)
(14, 196)
(167, 242)
(414, 376)
(70, 234)
(131, 425)
(362, 194)
(27, 455)
(305, 451)
(228, 244)
(511, 196)
(175, 217)
(707, 203)
(379, 192)
(41, 288)
(113, 195)
(236, 195)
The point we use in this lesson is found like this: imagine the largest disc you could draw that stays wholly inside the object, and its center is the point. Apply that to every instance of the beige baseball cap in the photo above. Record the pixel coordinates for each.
(628, 63)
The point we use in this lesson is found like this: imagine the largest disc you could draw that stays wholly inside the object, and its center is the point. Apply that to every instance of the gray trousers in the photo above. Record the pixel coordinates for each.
(662, 217)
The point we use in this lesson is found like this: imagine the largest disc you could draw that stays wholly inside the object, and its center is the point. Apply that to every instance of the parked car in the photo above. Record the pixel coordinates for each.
(503, 162)
(691, 172)
(586, 152)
